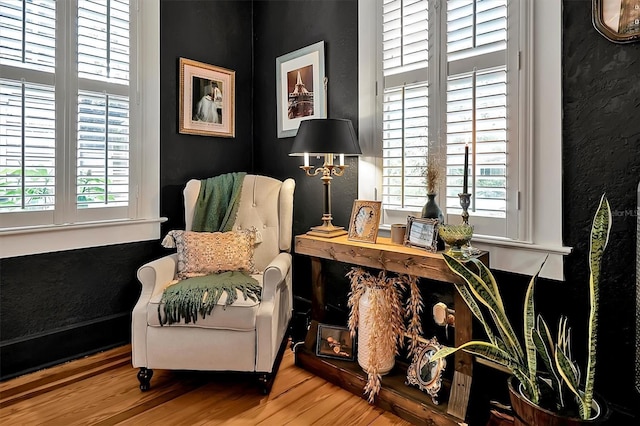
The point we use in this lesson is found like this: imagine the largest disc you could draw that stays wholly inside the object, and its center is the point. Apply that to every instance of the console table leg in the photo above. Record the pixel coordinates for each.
(317, 288)
(461, 385)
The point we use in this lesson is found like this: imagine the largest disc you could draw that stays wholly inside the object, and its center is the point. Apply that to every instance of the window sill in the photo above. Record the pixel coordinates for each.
(44, 239)
(520, 257)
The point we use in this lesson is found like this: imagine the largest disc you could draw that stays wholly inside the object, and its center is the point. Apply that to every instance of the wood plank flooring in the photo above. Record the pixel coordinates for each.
(103, 390)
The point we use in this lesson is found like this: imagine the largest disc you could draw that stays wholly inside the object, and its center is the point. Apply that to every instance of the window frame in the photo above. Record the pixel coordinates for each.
(141, 221)
(539, 169)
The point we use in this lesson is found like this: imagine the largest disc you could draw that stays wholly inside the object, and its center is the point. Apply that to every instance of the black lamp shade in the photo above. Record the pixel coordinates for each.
(326, 136)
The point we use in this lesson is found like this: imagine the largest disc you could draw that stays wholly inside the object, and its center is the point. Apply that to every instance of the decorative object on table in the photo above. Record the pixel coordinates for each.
(207, 99)
(558, 395)
(431, 210)
(456, 236)
(326, 138)
(424, 373)
(335, 342)
(398, 231)
(365, 219)
(465, 202)
(376, 312)
(617, 20)
(300, 88)
(422, 233)
(444, 317)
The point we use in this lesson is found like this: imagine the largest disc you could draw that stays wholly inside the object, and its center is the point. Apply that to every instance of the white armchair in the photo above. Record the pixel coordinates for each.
(247, 336)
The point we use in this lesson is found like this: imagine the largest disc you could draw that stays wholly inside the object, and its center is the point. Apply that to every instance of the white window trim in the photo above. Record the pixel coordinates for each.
(146, 155)
(540, 168)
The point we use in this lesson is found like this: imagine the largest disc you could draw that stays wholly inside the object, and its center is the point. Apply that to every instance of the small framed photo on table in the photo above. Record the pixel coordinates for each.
(422, 233)
(335, 342)
(365, 219)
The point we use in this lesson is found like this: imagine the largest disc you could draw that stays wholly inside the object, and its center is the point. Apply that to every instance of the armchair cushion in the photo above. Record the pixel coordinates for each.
(204, 253)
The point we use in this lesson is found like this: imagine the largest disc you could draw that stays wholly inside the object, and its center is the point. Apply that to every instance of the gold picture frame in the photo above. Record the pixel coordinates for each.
(425, 374)
(617, 20)
(365, 219)
(207, 99)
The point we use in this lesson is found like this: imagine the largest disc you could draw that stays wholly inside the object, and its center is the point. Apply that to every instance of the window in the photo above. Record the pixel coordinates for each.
(469, 98)
(70, 137)
(436, 76)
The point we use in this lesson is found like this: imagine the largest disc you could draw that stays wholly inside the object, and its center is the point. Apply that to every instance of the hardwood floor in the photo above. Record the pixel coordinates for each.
(103, 390)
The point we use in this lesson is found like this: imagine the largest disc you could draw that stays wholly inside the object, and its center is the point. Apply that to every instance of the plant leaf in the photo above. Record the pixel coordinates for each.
(600, 230)
(545, 350)
(482, 294)
(488, 278)
(567, 372)
(529, 325)
(483, 349)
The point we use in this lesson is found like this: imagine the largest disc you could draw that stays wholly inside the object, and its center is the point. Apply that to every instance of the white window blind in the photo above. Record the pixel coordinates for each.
(405, 35)
(103, 116)
(54, 101)
(405, 146)
(27, 34)
(27, 150)
(470, 99)
(27, 106)
(405, 103)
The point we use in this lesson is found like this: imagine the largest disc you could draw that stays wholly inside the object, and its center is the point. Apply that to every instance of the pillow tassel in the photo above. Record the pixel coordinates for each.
(169, 241)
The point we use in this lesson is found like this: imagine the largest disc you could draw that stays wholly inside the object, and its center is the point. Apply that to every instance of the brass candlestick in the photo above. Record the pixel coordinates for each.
(327, 229)
(465, 202)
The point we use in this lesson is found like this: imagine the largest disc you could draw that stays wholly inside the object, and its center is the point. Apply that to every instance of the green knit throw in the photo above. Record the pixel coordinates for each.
(198, 295)
(217, 204)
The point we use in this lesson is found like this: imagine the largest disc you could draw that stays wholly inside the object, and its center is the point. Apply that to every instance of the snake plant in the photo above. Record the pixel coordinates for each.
(562, 381)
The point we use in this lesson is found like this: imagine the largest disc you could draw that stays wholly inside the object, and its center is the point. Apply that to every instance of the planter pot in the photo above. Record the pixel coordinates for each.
(527, 413)
(364, 335)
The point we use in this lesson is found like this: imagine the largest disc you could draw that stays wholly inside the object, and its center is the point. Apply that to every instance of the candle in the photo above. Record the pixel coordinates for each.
(306, 159)
(342, 159)
(465, 181)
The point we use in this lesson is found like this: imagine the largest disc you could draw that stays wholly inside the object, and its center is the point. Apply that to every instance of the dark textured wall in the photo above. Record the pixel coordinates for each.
(216, 33)
(601, 154)
(61, 305)
(282, 27)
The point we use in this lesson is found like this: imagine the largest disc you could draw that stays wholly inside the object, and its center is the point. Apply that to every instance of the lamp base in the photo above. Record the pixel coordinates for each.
(327, 231)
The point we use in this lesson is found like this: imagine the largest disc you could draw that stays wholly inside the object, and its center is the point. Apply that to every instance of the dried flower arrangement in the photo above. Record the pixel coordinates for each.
(432, 174)
(386, 318)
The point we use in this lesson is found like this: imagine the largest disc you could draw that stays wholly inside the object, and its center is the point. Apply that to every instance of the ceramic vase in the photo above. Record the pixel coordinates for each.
(365, 325)
(431, 210)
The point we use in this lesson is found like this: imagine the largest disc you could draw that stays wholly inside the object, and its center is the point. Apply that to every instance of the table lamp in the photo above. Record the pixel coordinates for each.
(326, 137)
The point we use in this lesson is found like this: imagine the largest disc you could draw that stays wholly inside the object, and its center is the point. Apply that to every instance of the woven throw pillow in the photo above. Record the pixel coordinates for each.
(204, 253)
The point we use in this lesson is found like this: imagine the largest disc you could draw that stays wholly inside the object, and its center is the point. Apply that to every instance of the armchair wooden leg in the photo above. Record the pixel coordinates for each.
(265, 381)
(144, 377)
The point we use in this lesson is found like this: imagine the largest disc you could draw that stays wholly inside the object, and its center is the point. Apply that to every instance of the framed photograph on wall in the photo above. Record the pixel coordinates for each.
(300, 90)
(335, 342)
(617, 20)
(422, 233)
(365, 219)
(207, 99)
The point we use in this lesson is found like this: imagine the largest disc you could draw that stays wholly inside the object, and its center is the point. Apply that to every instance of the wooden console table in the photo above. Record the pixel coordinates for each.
(406, 402)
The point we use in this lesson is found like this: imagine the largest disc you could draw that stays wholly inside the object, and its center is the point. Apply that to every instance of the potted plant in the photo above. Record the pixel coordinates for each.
(562, 393)
(378, 313)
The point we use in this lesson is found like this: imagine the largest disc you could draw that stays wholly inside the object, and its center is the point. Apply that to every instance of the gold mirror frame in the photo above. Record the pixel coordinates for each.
(627, 15)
